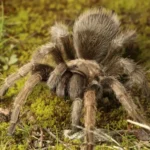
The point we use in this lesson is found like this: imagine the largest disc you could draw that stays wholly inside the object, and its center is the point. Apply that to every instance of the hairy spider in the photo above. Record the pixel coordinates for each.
(90, 65)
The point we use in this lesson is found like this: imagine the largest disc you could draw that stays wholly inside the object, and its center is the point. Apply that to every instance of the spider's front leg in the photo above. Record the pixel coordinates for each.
(76, 89)
(10, 80)
(94, 89)
(40, 73)
(56, 76)
(69, 84)
(62, 38)
(38, 56)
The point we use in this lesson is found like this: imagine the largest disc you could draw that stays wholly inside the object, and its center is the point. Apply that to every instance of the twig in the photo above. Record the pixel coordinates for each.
(140, 145)
(56, 138)
(139, 124)
(41, 137)
(116, 147)
(34, 137)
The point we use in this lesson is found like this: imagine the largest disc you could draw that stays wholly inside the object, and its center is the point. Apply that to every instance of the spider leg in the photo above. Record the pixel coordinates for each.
(136, 76)
(130, 73)
(62, 37)
(40, 73)
(56, 76)
(59, 71)
(44, 50)
(117, 43)
(20, 99)
(10, 80)
(76, 113)
(75, 90)
(61, 89)
(90, 112)
(124, 98)
(37, 57)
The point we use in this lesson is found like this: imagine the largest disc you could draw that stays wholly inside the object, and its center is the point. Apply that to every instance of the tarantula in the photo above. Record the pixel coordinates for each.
(89, 66)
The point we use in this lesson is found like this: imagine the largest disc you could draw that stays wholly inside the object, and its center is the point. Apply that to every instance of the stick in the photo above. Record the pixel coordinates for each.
(139, 124)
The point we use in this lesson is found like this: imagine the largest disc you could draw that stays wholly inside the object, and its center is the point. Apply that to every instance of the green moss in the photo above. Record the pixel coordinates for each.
(9, 142)
(49, 110)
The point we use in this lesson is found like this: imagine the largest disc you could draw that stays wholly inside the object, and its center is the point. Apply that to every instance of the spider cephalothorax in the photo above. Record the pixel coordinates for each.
(89, 65)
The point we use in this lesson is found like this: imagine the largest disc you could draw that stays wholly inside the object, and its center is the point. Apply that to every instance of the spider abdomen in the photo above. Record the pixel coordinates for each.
(93, 32)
